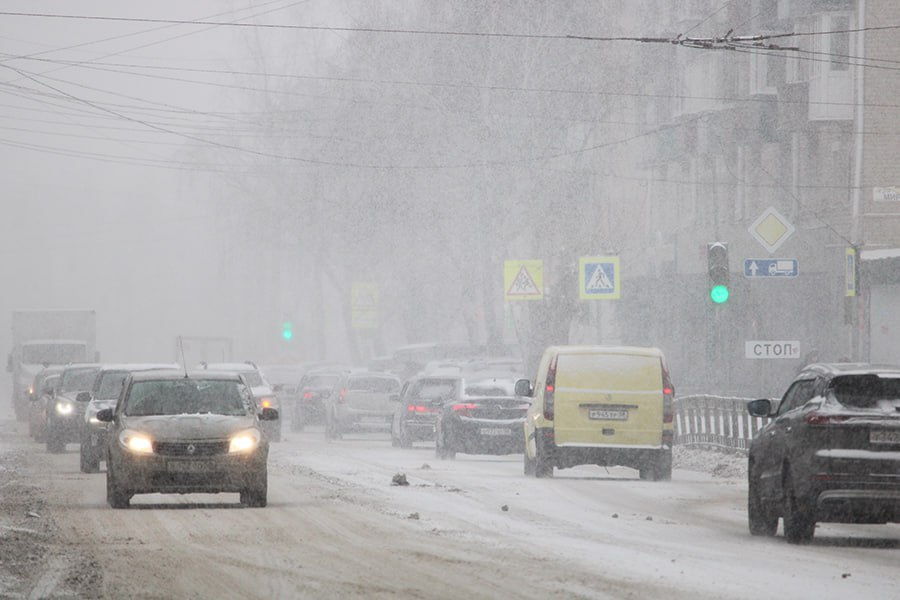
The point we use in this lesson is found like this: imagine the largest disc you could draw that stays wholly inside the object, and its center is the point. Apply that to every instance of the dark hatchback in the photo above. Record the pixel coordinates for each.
(831, 452)
(420, 403)
(481, 425)
(177, 433)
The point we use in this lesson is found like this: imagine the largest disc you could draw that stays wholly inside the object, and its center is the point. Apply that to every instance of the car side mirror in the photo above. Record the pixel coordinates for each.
(105, 415)
(760, 408)
(83, 397)
(268, 414)
(523, 388)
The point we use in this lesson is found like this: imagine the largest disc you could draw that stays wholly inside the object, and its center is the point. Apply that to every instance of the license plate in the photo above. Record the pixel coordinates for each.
(187, 466)
(607, 415)
(881, 436)
(495, 431)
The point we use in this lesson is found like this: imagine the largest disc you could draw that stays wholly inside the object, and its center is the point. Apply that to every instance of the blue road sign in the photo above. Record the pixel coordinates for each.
(771, 267)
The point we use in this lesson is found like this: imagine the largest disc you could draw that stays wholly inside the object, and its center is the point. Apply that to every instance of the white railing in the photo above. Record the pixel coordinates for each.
(706, 421)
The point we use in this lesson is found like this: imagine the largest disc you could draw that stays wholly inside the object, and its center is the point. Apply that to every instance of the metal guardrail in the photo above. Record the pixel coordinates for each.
(706, 421)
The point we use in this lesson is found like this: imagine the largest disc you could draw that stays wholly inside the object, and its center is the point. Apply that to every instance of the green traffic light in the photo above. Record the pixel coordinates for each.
(287, 332)
(719, 294)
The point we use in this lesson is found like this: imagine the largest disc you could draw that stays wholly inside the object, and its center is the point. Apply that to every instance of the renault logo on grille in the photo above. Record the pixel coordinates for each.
(191, 448)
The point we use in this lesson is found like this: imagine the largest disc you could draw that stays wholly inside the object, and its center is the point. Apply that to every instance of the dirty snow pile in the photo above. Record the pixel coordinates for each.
(718, 463)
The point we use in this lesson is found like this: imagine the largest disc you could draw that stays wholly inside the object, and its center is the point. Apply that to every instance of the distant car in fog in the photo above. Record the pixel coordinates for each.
(40, 393)
(830, 453)
(420, 402)
(481, 425)
(200, 433)
(313, 390)
(361, 401)
(263, 393)
(104, 393)
(63, 412)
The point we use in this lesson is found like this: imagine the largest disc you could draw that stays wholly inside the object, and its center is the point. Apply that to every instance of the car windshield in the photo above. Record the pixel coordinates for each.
(433, 389)
(77, 380)
(385, 385)
(186, 396)
(866, 391)
(110, 385)
(321, 381)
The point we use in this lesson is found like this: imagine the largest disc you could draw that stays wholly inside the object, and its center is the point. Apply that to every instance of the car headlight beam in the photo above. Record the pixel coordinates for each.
(138, 443)
(244, 441)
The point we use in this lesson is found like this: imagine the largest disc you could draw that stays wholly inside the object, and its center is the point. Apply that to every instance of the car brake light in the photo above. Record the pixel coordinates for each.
(463, 409)
(550, 390)
(668, 395)
(417, 408)
(307, 395)
(342, 395)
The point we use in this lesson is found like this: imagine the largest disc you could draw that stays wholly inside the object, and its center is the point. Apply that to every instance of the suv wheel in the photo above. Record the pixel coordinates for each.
(799, 516)
(760, 518)
(116, 495)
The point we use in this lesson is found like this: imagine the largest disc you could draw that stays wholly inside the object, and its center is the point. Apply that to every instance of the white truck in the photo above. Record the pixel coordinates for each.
(47, 337)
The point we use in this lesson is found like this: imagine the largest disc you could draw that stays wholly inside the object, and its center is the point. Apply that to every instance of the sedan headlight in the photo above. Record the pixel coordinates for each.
(138, 443)
(64, 408)
(244, 441)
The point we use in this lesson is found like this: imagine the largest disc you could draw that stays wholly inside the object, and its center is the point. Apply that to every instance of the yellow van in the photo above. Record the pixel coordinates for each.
(599, 405)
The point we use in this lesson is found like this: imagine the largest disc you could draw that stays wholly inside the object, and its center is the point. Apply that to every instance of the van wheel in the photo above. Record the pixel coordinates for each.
(660, 469)
(528, 464)
(542, 466)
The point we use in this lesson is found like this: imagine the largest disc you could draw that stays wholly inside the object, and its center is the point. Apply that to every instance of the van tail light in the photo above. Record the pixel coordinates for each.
(550, 390)
(668, 396)
(821, 419)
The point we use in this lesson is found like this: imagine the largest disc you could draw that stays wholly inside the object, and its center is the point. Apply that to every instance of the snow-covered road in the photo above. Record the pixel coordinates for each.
(472, 527)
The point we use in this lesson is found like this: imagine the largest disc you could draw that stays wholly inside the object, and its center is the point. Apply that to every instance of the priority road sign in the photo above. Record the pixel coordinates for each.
(771, 267)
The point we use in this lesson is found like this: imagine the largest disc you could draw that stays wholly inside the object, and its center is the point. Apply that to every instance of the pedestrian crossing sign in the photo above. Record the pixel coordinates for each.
(599, 278)
(523, 279)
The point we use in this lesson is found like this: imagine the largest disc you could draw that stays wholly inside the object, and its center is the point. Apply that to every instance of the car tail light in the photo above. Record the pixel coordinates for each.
(342, 396)
(820, 419)
(668, 396)
(418, 408)
(464, 409)
(550, 390)
(307, 395)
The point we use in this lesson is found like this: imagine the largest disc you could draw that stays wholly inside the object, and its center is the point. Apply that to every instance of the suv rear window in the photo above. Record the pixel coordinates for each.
(865, 391)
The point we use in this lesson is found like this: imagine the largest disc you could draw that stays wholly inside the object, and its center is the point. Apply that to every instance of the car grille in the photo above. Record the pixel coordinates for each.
(184, 448)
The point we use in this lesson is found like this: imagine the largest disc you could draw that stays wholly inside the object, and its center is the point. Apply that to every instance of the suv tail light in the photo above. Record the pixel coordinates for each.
(418, 408)
(820, 419)
(550, 390)
(464, 410)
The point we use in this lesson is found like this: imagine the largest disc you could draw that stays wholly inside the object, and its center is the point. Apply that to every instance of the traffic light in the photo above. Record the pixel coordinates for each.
(287, 331)
(717, 259)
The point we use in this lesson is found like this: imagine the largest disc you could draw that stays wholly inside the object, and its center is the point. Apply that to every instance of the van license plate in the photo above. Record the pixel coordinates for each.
(187, 466)
(495, 431)
(607, 415)
(880, 436)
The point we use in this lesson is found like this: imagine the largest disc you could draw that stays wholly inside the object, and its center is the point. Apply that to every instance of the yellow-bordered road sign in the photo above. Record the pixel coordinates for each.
(599, 278)
(364, 305)
(523, 279)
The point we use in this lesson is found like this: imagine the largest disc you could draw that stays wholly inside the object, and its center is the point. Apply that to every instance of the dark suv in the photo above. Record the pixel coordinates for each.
(831, 452)
(421, 400)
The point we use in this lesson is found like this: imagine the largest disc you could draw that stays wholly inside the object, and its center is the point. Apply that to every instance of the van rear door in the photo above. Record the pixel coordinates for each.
(609, 399)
